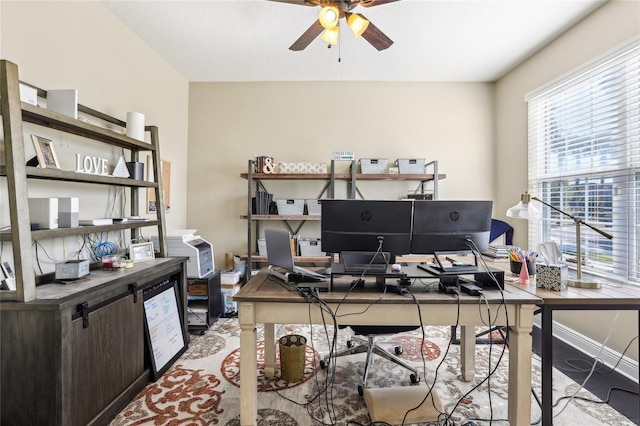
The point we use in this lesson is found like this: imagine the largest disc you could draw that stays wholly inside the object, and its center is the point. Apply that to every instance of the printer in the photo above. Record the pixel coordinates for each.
(198, 250)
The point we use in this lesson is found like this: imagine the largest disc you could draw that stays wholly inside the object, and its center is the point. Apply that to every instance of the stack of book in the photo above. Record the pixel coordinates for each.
(262, 202)
(497, 252)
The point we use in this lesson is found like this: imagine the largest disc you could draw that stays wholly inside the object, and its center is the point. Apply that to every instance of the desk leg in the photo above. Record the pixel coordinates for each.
(468, 352)
(248, 364)
(269, 351)
(520, 351)
(546, 345)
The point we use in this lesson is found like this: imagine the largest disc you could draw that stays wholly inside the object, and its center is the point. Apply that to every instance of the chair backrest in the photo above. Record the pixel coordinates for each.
(499, 228)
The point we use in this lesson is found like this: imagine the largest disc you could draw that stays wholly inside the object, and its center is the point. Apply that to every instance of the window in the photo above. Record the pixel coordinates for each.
(584, 158)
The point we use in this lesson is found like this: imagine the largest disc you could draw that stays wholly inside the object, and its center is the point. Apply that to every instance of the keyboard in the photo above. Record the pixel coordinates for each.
(459, 268)
(359, 268)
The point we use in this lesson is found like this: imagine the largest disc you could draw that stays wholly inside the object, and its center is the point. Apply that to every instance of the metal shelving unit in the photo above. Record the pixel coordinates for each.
(254, 181)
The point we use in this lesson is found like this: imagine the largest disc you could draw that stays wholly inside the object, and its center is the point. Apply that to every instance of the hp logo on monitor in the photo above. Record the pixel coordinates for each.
(366, 215)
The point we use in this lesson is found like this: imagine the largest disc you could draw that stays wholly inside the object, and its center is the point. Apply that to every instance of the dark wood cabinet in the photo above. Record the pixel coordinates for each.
(204, 301)
(77, 354)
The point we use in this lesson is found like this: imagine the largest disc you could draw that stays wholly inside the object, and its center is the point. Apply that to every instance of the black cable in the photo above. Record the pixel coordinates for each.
(435, 379)
(476, 252)
(582, 398)
(605, 368)
(313, 300)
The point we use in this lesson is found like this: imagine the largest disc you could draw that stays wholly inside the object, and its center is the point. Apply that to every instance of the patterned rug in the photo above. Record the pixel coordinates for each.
(202, 387)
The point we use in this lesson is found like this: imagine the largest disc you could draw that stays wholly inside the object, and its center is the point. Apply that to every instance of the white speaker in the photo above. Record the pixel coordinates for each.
(63, 101)
(69, 212)
(44, 212)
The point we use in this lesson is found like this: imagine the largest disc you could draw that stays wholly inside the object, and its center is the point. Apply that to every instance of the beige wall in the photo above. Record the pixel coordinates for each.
(606, 28)
(82, 45)
(229, 123)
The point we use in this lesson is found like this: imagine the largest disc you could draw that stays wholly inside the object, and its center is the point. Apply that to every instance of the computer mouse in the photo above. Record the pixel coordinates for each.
(396, 267)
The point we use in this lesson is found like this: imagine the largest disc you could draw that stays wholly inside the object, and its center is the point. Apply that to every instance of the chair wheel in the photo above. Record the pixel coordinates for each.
(398, 350)
(360, 390)
(350, 344)
(414, 378)
(323, 364)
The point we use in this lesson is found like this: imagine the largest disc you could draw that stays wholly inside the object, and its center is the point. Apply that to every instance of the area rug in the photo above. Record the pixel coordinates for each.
(202, 387)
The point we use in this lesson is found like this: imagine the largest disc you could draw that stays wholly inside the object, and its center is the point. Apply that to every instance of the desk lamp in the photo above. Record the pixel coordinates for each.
(525, 210)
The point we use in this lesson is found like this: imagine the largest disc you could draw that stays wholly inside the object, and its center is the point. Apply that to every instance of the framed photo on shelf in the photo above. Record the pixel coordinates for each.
(141, 252)
(45, 153)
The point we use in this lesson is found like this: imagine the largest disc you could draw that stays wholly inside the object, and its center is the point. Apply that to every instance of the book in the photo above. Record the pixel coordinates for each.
(497, 251)
(96, 222)
(491, 258)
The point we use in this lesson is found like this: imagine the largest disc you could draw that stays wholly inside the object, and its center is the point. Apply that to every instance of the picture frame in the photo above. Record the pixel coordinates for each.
(141, 252)
(45, 152)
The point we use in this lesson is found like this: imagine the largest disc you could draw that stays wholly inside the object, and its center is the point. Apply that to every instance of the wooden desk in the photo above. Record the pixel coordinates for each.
(264, 300)
(572, 299)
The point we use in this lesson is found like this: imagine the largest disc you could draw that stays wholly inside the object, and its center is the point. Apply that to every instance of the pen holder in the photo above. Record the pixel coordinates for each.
(516, 267)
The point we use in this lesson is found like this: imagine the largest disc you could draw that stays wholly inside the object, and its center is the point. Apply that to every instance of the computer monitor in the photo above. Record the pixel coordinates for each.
(445, 226)
(355, 225)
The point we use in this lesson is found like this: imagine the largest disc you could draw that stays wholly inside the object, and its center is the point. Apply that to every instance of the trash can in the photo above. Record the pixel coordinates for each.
(292, 357)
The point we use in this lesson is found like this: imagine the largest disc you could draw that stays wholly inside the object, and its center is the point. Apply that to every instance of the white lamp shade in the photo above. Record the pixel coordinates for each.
(524, 209)
(357, 24)
(329, 16)
(330, 36)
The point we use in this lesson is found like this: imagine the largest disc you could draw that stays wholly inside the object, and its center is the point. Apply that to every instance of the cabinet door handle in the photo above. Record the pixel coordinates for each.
(133, 288)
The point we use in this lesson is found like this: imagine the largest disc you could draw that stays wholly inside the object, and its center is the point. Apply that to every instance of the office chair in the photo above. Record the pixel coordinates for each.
(499, 228)
(370, 346)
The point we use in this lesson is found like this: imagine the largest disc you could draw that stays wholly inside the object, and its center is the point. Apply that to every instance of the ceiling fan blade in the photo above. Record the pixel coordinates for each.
(371, 3)
(300, 2)
(377, 38)
(305, 39)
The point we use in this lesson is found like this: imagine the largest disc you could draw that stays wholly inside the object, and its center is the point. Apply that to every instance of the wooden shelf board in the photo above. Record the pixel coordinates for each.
(343, 176)
(81, 230)
(44, 117)
(67, 176)
(297, 176)
(399, 177)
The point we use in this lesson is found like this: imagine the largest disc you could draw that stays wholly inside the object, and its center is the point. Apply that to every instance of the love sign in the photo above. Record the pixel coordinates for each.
(92, 165)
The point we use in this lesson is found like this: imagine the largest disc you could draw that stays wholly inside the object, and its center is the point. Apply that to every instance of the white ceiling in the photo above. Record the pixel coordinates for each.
(434, 40)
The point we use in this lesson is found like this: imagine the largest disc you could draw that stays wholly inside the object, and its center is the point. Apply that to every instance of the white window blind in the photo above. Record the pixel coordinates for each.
(584, 158)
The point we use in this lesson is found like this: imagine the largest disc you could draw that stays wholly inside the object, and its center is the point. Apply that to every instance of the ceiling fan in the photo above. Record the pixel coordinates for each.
(330, 14)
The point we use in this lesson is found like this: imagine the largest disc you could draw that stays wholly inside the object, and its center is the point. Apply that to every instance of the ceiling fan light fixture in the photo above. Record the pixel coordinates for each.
(330, 36)
(357, 24)
(329, 16)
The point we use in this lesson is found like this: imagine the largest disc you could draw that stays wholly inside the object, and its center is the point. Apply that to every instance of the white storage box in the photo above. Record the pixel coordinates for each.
(411, 165)
(313, 207)
(290, 207)
(310, 247)
(227, 292)
(373, 165)
(231, 277)
(262, 247)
